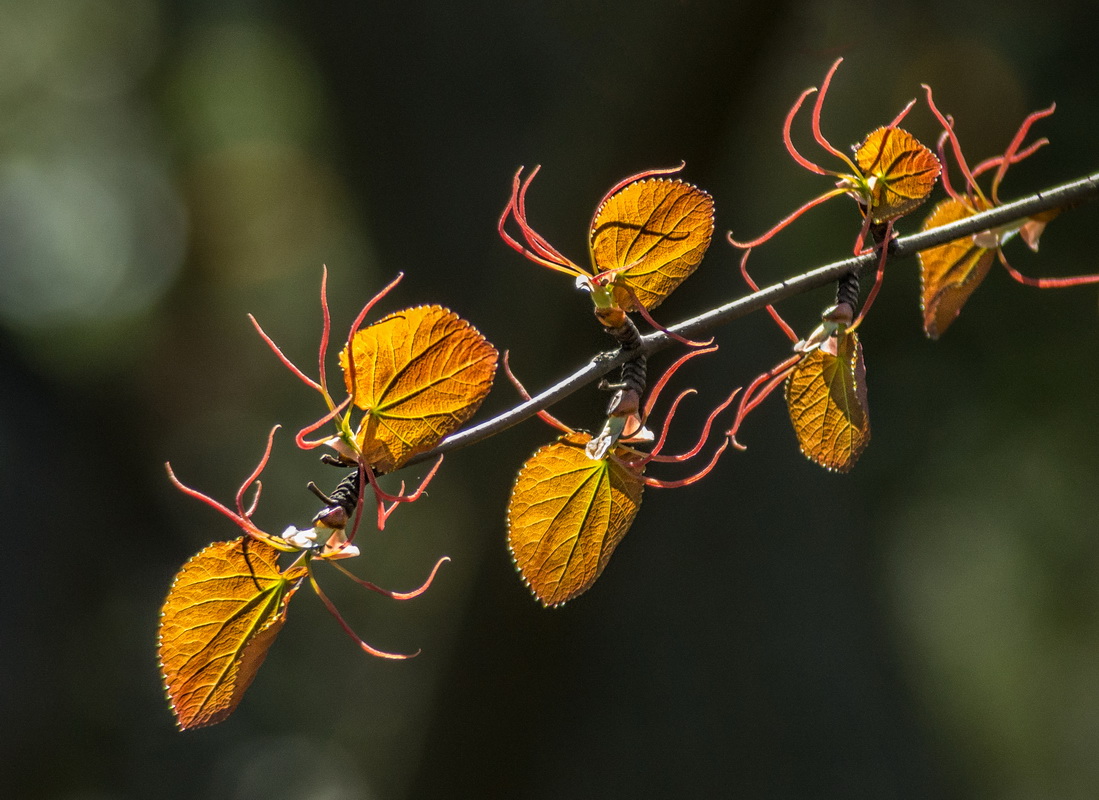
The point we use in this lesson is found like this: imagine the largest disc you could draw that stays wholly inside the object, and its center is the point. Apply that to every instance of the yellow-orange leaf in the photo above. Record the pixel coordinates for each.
(951, 272)
(566, 515)
(656, 232)
(419, 375)
(826, 395)
(221, 616)
(900, 172)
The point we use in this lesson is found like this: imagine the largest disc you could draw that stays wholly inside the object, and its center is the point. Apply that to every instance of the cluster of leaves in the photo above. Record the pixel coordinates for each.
(575, 498)
(891, 175)
(414, 377)
(411, 378)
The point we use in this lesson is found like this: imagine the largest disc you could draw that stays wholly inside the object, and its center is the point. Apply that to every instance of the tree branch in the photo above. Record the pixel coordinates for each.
(1064, 195)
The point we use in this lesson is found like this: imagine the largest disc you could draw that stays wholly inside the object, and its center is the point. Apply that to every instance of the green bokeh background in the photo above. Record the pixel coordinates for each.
(925, 627)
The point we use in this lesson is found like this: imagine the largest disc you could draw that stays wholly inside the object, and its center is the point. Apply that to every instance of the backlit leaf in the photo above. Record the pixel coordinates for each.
(566, 515)
(657, 230)
(221, 616)
(826, 395)
(951, 272)
(419, 375)
(899, 171)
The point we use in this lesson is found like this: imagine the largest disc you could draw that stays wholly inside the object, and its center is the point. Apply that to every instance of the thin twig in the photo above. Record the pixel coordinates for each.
(1063, 195)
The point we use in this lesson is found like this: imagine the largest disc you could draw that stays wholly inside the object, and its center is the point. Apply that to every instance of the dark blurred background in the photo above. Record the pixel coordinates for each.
(925, 627)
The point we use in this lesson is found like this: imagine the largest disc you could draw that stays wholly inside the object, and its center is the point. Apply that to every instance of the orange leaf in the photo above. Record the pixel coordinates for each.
(826, 395)
(566, 515)
(221, 616)
(419, 375)
(951, 272)
(655, 232)
(899, 172)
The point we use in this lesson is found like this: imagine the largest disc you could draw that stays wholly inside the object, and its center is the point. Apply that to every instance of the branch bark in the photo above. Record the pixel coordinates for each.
(1064, 195)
